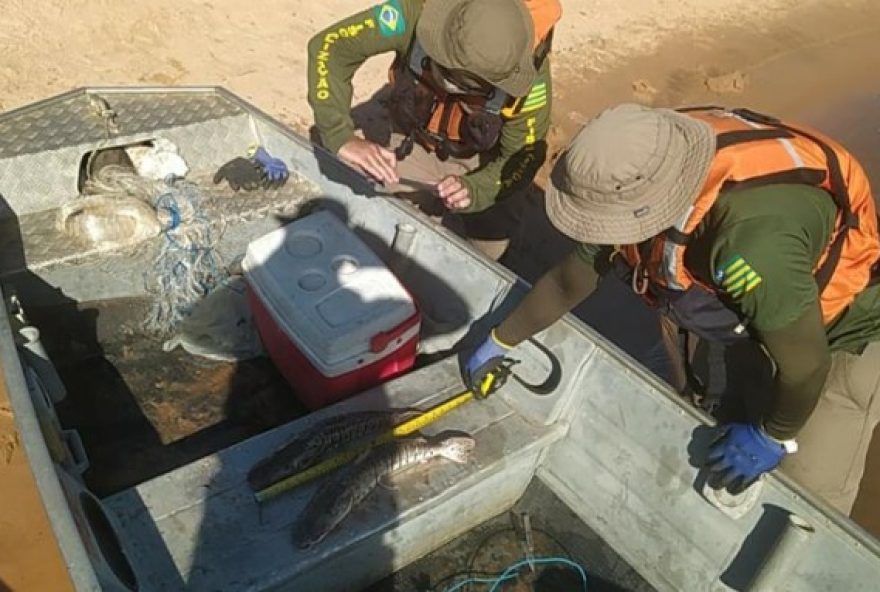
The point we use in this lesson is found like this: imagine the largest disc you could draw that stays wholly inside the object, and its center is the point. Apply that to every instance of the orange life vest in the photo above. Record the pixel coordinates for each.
(754, 150)
(442, 118)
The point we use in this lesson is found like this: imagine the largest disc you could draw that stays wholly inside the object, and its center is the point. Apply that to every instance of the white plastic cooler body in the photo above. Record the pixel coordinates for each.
(329, 292)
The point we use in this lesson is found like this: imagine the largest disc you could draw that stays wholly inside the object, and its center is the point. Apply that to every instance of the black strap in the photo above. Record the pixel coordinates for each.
(678, 237)
(804, 176)
(708, 392)
(839, 192)
(543, 49)
(725, 139)
(703, 108)
(717, 380)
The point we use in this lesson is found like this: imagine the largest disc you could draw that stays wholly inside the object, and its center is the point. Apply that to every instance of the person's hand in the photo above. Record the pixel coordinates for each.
(485, 359)
(240, 173)
(275, 172)
(370, 159)
(454, 193)
(740, 454)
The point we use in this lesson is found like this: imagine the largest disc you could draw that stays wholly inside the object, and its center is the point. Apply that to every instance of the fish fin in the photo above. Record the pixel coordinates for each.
(458, 449)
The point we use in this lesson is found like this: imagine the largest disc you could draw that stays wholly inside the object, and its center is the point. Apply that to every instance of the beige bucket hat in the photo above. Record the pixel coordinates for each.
(629, 174)
(493, 39)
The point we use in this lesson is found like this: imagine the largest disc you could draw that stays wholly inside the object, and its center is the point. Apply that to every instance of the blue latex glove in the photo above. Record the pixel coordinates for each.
(741, 454)
(485, 359)
(274, 170)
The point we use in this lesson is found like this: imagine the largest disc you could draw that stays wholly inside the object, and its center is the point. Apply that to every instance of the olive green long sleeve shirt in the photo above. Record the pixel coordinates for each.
(337, 52)
(759, 247)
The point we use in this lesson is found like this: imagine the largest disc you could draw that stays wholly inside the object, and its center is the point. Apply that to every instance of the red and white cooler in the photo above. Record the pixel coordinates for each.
(333, 318)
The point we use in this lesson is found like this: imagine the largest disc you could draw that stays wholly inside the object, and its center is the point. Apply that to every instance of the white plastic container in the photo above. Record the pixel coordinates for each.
(332, 316)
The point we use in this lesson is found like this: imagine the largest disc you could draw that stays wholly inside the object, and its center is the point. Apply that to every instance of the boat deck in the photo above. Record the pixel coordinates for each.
(500, 542)
(199, 526)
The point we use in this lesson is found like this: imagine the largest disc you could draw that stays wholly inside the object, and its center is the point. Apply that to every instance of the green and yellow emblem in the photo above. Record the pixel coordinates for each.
(391, 20)
(736, 277)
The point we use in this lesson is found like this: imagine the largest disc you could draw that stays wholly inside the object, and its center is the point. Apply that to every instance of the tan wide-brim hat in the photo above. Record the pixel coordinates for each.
(629, 174)
(493, 39)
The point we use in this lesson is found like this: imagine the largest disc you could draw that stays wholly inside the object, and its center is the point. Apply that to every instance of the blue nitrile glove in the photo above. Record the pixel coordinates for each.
(485, 359)
(274, 170)
(741, 454)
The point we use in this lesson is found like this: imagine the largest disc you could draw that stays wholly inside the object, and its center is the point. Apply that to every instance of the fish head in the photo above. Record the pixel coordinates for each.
(458, 449)
(320, 522)
(282, 463)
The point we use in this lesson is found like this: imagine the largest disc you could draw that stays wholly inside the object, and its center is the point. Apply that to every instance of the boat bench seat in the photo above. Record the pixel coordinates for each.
(200, 528)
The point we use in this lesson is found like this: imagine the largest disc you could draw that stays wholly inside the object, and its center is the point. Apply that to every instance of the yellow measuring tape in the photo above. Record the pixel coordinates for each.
(404, 429)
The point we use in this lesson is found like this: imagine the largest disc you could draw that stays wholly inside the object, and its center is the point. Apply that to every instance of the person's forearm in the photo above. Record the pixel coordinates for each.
(334, 55)
(802, 361)
(555, 294)
(796, 398)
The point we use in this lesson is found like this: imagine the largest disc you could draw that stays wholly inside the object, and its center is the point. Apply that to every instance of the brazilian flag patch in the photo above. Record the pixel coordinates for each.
(390, 18)
(737, 278)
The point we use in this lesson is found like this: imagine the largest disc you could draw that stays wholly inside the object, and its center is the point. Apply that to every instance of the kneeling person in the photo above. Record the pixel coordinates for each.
(470, 101)
(740, 228)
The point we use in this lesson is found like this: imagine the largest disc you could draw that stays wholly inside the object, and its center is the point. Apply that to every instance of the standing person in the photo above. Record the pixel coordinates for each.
(470, 103)
(738, 227)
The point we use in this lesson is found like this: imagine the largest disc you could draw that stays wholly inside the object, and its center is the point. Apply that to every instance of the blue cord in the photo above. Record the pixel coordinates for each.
(506, 575)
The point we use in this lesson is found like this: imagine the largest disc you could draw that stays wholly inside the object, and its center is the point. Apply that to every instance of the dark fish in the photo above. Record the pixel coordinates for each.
(335, 499)
(320, 441)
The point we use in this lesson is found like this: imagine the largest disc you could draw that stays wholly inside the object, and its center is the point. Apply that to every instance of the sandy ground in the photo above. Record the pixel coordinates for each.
(794, 58)
(258, 49)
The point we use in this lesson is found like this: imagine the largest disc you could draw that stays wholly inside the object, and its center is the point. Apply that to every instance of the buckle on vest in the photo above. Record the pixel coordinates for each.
(640, 280)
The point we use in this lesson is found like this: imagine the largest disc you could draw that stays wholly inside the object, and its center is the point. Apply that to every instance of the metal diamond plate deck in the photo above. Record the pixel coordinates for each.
(34, 240)
(77, 118)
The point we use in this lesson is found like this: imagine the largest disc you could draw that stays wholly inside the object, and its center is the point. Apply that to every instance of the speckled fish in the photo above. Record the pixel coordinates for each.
(336, 498)
(321, 440)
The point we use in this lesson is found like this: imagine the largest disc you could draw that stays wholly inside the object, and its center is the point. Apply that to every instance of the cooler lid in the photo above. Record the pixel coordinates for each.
(330, 293)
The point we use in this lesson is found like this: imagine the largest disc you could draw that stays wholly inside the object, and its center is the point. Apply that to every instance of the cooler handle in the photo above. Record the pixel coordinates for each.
(380, 341)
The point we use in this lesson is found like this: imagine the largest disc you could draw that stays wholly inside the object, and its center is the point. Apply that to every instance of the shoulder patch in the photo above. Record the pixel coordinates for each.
(390, 17)
(536, 99)
(736, 277)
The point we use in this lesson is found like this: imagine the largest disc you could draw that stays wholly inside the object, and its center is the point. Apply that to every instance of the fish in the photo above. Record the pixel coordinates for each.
(336, 498)
(321, 440)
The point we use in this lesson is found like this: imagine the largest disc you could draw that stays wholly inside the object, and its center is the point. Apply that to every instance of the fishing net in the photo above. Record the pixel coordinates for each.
(120, 208)
(188, 266)
(220, 326)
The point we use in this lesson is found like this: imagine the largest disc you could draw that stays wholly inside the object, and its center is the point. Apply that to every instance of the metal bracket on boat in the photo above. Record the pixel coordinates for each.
(101, 108)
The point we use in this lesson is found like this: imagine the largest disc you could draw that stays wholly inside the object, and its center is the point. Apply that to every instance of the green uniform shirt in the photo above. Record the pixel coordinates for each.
(338, 51)
(760, 247)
